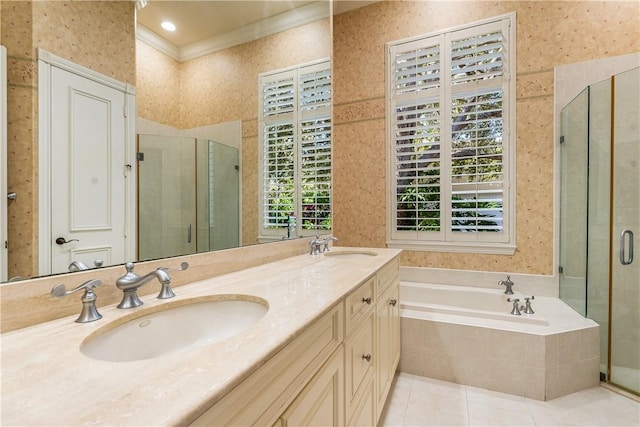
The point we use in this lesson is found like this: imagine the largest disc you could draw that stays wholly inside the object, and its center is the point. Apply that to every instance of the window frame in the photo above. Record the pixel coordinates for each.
(297, 116)
(445, 240)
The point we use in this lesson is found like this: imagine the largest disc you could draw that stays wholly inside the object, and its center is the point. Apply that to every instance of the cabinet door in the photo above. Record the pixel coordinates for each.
(360, 360)
(321, 402)
(388, 343)
(364, 414)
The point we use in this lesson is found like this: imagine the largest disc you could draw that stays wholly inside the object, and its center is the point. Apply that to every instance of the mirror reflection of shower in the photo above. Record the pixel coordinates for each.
(188, 196)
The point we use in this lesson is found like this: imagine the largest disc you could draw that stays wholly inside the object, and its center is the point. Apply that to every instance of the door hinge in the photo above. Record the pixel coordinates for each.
(562, 139)
(140, 156)
(560, 270)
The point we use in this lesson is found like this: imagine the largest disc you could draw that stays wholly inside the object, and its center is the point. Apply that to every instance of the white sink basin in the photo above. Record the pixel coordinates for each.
(171, 327)
(351, 254)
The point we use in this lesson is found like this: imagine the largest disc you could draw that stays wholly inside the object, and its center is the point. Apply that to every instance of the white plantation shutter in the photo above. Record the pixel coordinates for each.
(279, 172)
(417, 133)
(450, 138)
(296, 149)
(315, 146)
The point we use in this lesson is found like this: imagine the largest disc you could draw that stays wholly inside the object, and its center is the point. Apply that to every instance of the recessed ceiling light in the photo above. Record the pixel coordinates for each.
(168, 26)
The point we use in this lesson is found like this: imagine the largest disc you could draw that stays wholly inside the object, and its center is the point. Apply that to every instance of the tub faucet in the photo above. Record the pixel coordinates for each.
(130, 282)
(516, 309)
(508, 284)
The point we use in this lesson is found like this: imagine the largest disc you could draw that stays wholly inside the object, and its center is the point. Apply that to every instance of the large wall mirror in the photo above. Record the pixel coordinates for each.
(196, 88)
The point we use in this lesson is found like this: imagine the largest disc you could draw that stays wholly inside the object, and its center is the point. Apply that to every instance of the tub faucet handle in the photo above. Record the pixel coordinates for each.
(527, 305)
(508, 284)
(516, 308)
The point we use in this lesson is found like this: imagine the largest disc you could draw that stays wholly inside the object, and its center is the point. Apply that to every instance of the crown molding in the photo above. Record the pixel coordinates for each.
(150, 38)
(285, 21)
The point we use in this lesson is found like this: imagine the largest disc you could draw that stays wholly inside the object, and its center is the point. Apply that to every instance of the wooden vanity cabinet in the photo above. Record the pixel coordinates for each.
(265, 395)
(387, 334)
(337, 372)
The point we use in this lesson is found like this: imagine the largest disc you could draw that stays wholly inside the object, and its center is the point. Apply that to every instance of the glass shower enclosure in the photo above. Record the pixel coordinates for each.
(600, 219)
(188, 196)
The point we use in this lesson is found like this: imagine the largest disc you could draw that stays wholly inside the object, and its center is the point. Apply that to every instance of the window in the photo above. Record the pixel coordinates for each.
(295, 151)
(451, 139)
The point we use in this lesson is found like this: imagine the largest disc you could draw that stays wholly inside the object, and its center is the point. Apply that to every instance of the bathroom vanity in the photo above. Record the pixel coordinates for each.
(324, 353)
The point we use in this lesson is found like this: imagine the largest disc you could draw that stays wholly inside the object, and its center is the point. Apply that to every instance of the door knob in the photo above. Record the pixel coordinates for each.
(62, 241)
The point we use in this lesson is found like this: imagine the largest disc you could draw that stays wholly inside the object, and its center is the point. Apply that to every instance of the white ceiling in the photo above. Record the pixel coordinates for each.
(202, 20)
(199, 20)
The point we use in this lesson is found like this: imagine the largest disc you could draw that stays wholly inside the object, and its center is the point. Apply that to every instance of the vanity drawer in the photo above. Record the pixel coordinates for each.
(386, 276)
(358, 304)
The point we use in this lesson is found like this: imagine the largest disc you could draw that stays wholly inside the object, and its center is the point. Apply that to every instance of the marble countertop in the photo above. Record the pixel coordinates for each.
(46, 380)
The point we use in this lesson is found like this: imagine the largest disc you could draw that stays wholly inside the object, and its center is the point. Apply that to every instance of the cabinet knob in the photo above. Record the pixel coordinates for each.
(367, 300)
(367, 357)
(393, 302)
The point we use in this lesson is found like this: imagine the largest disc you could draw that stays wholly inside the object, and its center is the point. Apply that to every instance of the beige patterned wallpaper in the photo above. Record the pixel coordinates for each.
(74, 31)
(548, 34)
(157, 86)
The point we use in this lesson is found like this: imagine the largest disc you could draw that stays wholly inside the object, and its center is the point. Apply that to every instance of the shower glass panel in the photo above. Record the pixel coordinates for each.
(218, 196)
(166, 196)
(599, 182)
(600, 219)
(573, 228)
(625, 270)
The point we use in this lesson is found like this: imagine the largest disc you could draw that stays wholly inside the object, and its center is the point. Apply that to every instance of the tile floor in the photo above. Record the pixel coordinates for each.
(420, 401)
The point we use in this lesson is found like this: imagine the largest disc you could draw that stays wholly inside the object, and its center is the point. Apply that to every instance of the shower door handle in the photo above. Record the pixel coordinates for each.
(626, 259)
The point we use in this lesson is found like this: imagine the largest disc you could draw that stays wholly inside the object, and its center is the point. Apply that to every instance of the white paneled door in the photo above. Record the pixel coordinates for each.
(88, 172)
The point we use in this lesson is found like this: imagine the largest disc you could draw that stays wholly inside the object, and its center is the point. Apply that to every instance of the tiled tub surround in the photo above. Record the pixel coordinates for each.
(46, 380)
(542, 356)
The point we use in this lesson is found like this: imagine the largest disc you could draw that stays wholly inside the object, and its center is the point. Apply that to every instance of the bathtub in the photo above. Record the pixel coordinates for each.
(479, 303)
(467, 335)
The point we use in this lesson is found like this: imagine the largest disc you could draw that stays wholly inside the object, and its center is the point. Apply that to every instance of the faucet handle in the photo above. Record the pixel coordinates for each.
(61, 290)
(516, 309)
(183, 266)
(89, 312)
(527, 307)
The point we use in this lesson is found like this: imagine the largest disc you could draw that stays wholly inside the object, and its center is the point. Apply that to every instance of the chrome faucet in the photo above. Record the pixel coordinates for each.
(89, 312)
(508, 284)
(319, 245)
(130, 282)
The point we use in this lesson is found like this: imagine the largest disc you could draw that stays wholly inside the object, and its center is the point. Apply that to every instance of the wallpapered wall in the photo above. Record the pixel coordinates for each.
(548, 34)
(74, 31)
